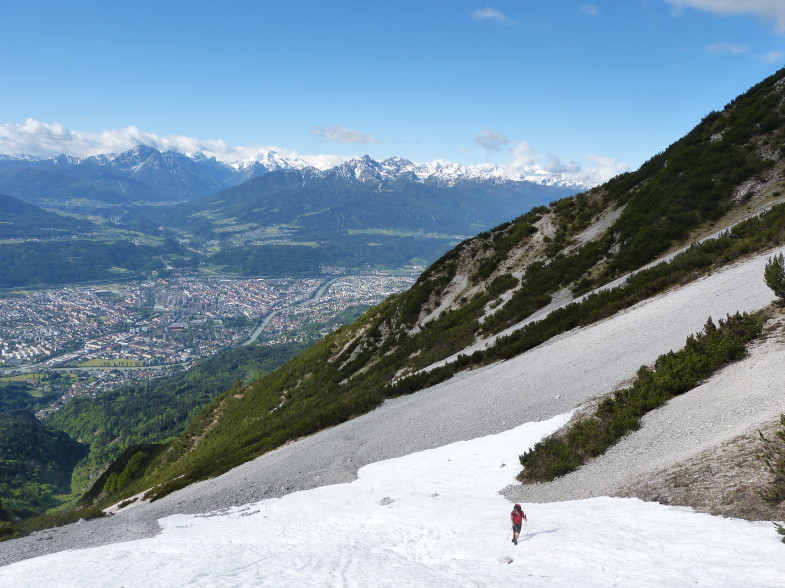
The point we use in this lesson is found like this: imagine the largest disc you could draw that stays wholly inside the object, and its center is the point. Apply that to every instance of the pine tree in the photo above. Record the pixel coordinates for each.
(780, 530)
(774, 274)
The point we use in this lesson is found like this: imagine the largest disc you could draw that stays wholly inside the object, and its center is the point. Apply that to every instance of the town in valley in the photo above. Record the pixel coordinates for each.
(82, 340)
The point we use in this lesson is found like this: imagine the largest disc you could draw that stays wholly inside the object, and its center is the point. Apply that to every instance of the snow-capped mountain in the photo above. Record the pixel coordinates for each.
(154, 175)
(446, 173)
(176, 176)
(265, 161)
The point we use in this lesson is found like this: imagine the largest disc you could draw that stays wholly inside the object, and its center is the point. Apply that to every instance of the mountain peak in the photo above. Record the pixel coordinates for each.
(364, 169)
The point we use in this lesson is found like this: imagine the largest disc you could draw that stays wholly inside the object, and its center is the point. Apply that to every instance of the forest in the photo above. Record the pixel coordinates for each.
(23, 220)
(39, 461)
(36, 461)
(44, 263)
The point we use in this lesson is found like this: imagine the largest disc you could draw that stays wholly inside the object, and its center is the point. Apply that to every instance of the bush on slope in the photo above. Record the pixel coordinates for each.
(673, 374)
(773, 456)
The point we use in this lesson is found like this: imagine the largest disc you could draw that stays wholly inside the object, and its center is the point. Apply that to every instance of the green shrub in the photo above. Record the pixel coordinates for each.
(500, 284)
(774, 274)
(780, 530)
(673, 374)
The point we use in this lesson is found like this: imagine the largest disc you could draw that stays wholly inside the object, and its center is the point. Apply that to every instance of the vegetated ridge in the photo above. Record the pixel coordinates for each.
(729, 168)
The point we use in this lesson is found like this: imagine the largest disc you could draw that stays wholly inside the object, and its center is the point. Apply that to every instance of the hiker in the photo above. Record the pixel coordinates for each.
(517, 516)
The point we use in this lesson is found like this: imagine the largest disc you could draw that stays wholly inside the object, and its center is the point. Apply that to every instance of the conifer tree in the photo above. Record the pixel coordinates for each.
(780, 530)
(774, 274)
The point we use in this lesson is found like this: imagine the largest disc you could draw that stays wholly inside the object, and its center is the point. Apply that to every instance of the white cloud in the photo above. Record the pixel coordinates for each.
(605, 168)
(523, 156)
(34, 137)
(491, 141)
(40, 138)
(727, 48)
(590, 9)
(491, 14)
(773, 10)
(527, 162)
(324, 161)
(771, 56)
(342, 134)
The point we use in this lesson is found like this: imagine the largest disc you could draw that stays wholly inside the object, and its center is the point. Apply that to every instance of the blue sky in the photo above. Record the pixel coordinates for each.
(561, 84)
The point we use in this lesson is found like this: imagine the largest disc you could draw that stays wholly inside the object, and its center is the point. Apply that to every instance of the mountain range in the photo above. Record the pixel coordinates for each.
(144, 174)
(359, 197)
(287, 219)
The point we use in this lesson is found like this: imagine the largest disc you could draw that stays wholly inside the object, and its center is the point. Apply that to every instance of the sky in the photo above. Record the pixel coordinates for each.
(433, 518)
(590, 87)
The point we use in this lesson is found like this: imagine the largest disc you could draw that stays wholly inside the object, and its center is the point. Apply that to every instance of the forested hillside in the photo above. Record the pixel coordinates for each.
(157, 411)
(36, 461)
(18, 219)
(78, 260)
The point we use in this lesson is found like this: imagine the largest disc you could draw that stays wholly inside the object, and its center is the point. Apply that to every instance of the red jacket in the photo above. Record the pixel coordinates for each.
(517, 517)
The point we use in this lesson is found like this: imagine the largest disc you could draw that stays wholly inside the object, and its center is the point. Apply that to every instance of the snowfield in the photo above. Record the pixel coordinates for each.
(408, 495)
(432, 518)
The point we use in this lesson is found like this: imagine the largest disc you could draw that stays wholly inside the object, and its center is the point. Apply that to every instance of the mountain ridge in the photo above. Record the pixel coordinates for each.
(177, 176)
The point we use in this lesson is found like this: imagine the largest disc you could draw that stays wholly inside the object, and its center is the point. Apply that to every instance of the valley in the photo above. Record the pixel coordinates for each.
(539, 389)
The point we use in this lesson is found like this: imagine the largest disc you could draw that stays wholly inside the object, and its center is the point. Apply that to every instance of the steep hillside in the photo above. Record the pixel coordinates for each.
(729, 167)
(36, 460)
(23, 220)
(701, 448)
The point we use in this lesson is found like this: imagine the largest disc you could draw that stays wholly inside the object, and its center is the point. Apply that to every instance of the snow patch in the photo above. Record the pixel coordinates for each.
(338, 535)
